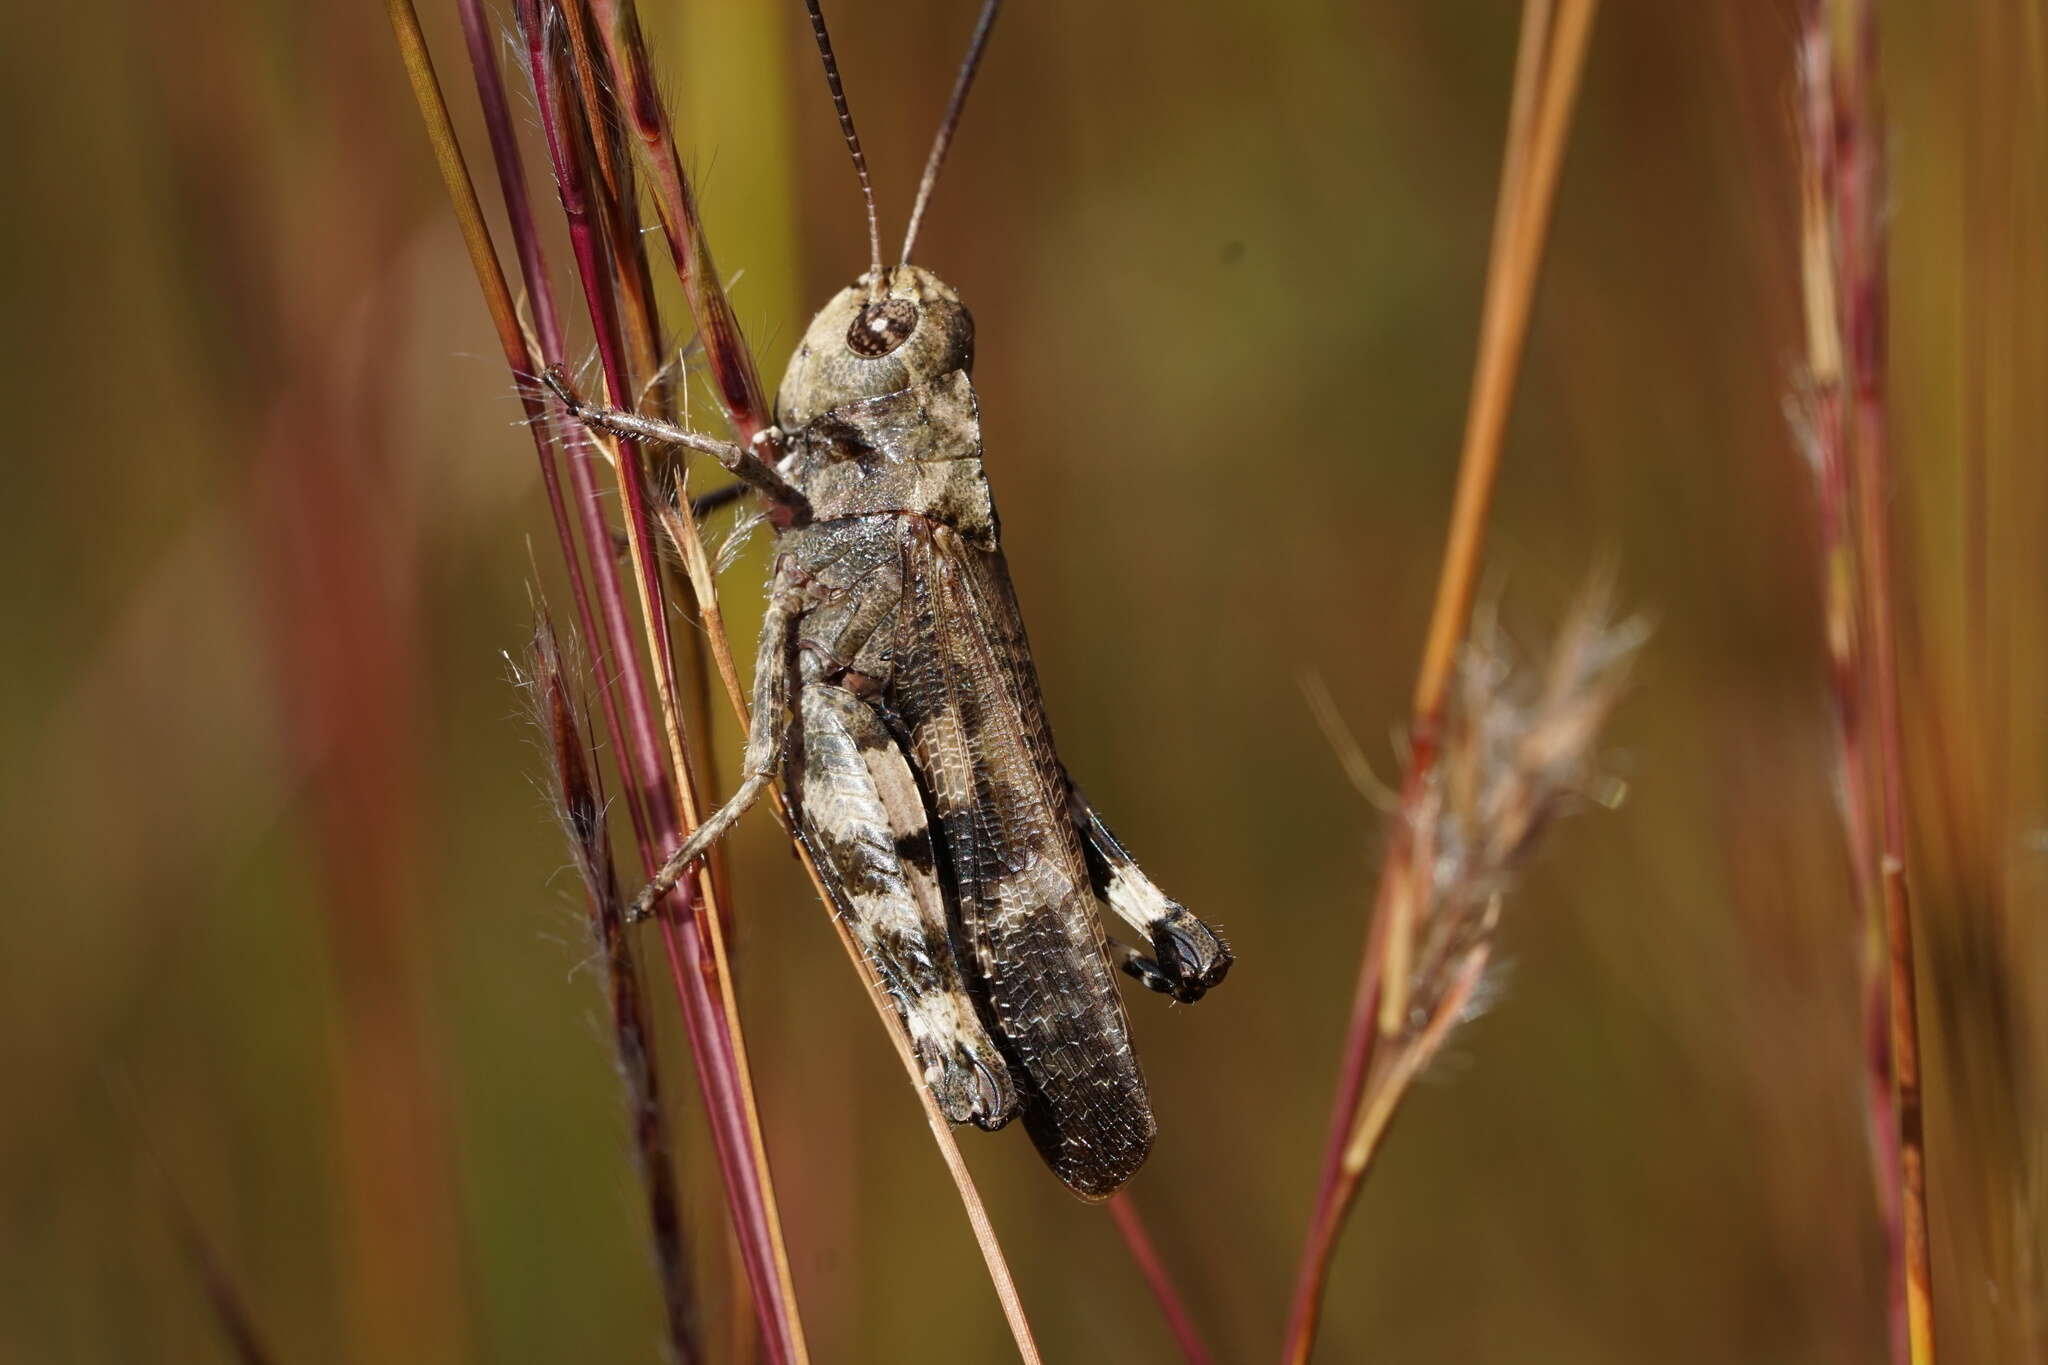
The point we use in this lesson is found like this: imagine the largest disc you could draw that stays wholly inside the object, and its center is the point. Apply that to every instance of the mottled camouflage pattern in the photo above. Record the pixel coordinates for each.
(910, 599)
(895, 694)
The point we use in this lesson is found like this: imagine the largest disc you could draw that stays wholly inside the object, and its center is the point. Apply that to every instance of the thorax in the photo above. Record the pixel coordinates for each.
(914, 452)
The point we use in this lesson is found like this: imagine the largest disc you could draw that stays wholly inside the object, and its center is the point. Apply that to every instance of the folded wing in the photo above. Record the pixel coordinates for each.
(968, 692)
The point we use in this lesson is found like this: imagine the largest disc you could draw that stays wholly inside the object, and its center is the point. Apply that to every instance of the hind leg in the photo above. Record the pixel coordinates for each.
(864, 820)
(1188, 957)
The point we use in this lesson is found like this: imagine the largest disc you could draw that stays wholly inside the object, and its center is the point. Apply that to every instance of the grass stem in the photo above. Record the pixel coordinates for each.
(1549, 61)
(1844, 263)
(1138, 1241)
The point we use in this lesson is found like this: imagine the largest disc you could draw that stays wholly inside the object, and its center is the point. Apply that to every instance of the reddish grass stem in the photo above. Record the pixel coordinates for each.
(576, 116)
(731, 363)
(1179, 1321)
(691, 944)
(240, 1337)
(653, 1139)
(548, 434)
(1824, 433)
(1843, 258)
(689, 934)
(579, 793)
(736, 381)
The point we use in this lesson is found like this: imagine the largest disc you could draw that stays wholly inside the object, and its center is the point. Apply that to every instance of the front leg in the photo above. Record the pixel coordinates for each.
(1188, 956)
(863, 818)
(767, 734)
(747, 464)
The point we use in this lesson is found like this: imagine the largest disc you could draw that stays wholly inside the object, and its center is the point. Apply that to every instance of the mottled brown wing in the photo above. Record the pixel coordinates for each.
(968, 692)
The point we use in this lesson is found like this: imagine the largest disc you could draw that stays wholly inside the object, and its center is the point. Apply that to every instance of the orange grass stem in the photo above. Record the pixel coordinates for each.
(1549, 61)
(1540, 115)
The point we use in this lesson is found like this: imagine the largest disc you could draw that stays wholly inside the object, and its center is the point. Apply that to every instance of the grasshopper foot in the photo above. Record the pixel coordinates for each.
(1146, 972)
(1188, 957)
(968, 1078)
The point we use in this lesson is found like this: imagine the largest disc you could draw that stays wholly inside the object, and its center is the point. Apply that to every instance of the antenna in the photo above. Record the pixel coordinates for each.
(944, 140)
(860, 161)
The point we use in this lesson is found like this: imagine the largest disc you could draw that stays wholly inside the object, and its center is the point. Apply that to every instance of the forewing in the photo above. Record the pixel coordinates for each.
(969, 693)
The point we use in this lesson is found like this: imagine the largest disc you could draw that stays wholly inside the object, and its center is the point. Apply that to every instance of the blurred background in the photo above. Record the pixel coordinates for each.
(296, 972)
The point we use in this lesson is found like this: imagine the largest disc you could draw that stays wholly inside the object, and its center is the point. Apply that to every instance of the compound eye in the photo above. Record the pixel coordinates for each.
(880, 328)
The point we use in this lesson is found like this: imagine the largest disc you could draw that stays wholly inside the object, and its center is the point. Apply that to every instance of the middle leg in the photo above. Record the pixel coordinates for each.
(767, 735)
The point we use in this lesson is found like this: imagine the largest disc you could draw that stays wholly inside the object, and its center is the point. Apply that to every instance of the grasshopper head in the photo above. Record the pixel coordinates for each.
(862, 345)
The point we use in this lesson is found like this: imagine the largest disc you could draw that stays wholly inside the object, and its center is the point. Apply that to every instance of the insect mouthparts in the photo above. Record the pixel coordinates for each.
(880, 328)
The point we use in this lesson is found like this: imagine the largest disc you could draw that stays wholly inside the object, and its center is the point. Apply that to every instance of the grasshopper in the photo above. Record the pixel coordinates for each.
(895, 697)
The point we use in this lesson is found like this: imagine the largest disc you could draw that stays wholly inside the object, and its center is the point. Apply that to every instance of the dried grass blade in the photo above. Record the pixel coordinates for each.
(469, 214)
